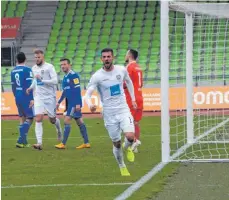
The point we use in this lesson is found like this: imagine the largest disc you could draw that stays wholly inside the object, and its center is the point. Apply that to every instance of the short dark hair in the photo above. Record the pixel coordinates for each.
(107, 50)
(65, 59)
(21, 57)
(38, 51)
(133, 53)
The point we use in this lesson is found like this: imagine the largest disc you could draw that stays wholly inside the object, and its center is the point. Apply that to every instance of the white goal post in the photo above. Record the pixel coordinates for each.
(194, 81)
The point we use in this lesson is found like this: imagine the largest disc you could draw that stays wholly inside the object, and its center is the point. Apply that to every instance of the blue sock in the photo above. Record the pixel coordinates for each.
(22, 134)
(25, 129)
(83, 131)
(67, 128)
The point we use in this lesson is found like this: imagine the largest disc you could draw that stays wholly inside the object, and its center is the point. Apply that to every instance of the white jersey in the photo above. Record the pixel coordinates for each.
(46, 88)
(110, 88)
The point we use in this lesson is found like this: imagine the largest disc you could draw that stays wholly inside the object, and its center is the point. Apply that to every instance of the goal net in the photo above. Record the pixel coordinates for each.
(195, 81)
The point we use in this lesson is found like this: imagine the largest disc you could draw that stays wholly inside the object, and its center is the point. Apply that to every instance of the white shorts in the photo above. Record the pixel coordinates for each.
(43, 106)
(116, 124)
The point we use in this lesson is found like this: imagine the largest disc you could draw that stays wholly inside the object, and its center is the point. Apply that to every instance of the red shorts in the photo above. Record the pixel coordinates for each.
(137, 114)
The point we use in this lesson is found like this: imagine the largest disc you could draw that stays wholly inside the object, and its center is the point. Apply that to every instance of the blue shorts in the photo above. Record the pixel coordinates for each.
(24, 110)
(71, 112)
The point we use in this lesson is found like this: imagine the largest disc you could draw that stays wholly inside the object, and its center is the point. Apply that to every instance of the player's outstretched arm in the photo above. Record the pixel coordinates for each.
(90, 89)
(63, 95)
(88, 94)
(32, 86)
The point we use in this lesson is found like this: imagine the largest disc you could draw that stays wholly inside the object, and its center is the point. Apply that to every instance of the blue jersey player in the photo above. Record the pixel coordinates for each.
(21, 79)
(72, 93)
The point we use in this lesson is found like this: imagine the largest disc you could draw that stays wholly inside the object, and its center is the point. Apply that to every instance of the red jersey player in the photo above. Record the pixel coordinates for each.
(135, 74)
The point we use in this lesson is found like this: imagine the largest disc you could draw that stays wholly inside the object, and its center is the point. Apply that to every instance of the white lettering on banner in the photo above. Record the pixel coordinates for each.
(212, 97)
(226, 97)
(152, 99)
(5, 108)
(197, 96)
(151, 95)
(152, 103)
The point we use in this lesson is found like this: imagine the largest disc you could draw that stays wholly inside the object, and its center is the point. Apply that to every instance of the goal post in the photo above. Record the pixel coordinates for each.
(194, 81)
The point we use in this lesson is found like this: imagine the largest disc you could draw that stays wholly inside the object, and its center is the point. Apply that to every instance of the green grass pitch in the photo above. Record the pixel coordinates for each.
(80, 174)
(26, 167)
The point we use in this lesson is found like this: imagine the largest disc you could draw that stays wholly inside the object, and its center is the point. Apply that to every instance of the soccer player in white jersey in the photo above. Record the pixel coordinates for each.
(44, 86)
(116, 113)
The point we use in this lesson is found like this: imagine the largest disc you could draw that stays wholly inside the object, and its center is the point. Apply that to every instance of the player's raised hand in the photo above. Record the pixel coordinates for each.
(78, 108)
(93, 108)
(31, 103)
(57, 106)
(135, 106)
(28, 90)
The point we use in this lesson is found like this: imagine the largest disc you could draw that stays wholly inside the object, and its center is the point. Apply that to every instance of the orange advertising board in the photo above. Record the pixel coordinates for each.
(203, 98)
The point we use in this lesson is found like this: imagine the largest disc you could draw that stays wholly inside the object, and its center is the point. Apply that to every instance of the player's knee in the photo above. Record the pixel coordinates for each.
(117, 144)
(136, 123)
(79, 121)
(130, 137)
(39, 118)
(67, 120)
(52, 120)
(29, 120)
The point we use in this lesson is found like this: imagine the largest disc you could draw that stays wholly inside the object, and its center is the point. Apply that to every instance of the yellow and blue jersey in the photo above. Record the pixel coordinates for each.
(71, 89)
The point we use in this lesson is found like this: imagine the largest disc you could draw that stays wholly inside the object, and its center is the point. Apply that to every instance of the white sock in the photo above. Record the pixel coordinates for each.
(58, 126)
(127, 143)
(118, 154)
(39, 132)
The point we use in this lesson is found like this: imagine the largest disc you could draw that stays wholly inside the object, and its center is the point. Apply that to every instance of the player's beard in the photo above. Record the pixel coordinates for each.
(107, 66)
(40, 63)
(66, 71)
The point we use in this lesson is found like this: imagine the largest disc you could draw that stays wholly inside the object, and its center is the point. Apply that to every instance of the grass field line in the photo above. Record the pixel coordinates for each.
(134, 187)
(144, 179)
(31, 138)
(65, 185)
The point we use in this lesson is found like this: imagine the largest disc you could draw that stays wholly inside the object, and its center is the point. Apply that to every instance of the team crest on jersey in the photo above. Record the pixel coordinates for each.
(76, 80)
(118, 77)
(42, 71)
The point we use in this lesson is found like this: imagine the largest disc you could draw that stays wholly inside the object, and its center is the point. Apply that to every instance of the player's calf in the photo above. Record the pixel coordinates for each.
(118, 154)
(83, 131)
(67, 129)
(55, 121)
(128, 141)
(137, 130)
(26, 126)
(137, 142)
(23, 130)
